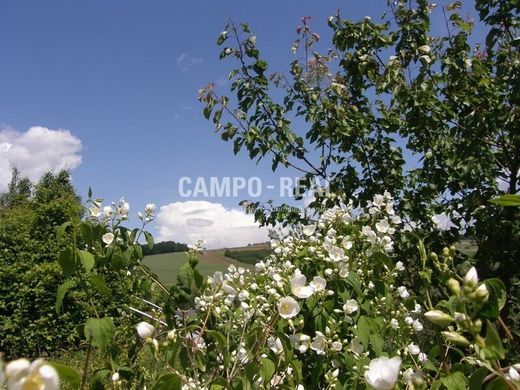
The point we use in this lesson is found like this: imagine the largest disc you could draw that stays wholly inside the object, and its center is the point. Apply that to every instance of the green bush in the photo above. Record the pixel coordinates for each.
(29, 273)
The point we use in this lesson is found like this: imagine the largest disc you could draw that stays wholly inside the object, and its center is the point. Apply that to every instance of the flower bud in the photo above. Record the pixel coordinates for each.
(477, 326)
(439, 317)
(145, 330)
(456, 338)
(471, 278)
(482, 293)
(424, 49)
(454, 286)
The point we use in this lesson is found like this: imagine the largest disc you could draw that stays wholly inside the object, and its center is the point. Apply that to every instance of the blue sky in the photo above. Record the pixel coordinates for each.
(122, 77)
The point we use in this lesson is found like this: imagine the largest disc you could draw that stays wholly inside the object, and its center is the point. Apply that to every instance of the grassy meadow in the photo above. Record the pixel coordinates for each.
(166, 266)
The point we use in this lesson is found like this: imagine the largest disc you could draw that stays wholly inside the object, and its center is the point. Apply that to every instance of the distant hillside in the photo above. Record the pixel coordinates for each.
(249, 255)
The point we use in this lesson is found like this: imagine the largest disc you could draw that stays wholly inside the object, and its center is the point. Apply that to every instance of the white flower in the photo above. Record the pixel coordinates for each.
(426, 59)
(370, 234)
(513, 375)
(107, 211)
(318, 283)
(425, 49)
(347, 243)
(343, 269)
(115, 377)
(288, 307)
(336, 253)
(243, 295)
(275, 344)
(150, 208)
(383, 372)
(351, 306)
(123, 208)
(230, 290)
(308, 230)
(417, 326)
(378, 200)
(356, 346)
(319, 343)
(38, 375)
(413, 349)
(422, 357)
(301, 341)
(394, 323)
(108, 238)
(403, 292)
(145, 330)
(408, 320)
(399, 266)
(337, 346)
(417, 309)
(95, 211)
(382, 226)
(412, 376)
(16, 370)
(471, 278)
(298, 287)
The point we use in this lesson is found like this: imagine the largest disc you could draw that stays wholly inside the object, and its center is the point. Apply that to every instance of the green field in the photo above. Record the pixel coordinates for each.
(167, 265)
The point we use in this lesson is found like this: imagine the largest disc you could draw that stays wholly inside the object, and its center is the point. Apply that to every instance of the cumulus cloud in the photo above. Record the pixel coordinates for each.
(36, 151)
(185, 61)
(190, 221)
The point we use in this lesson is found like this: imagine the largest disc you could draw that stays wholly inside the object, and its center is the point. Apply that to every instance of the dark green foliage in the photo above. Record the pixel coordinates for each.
(390, 89)
(251, 256)
(29, 273)
(164, 247)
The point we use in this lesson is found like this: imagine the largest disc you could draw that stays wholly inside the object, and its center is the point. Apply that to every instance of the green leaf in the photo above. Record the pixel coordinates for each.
(499, 384)
(98, 282)
(67, 374)
(61, 231)
(363, 330)
(98, 379)
(87, 259)
(62, 291)
(99, 331)
(67, 262)
(476, 380)
(494, 349)
(507, 200)
(499, 289)
(455, 381)
(86, 232)
(267, 369)
(496, 300)
(168, 382)
(149, 240)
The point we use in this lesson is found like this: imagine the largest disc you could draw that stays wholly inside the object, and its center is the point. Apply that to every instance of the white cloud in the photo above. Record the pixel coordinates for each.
(190, 221)
(36, 151)
(185, 61)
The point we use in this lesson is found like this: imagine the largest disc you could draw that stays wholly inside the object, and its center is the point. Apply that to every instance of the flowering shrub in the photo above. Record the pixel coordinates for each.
(326, 310)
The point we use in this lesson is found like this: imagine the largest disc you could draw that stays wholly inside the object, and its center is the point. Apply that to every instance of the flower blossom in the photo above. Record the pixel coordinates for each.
(383, 372)
(38, 375)
(288, 307)
(108, 238)
(298, 287)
